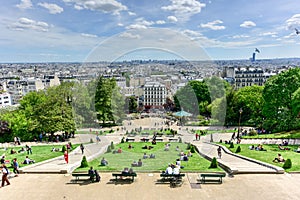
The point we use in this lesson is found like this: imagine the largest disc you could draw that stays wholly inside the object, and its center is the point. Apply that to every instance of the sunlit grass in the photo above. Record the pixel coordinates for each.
(118, 161)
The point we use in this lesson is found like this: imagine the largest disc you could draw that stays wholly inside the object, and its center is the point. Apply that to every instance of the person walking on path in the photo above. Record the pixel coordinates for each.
(66, 157)
(16, 167)
(82, 148)
(5, 173)
(219, 152)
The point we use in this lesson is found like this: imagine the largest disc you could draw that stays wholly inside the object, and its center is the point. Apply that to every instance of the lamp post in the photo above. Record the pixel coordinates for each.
(240, 111)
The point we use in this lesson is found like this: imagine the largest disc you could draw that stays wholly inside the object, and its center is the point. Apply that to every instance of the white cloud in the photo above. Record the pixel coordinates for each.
(209, 42)
(213, 25)
(106, 6)
(184, 9)
(136, 26)
(160, 22)
(141, 23)
(268, 34)
(120, 24)
(293, 22)
(240, 36)
(129, 35)
(25, 4)
(172, 19)
(248, 24)
(52, 8)
(25, 24)
(88, 35)
(131, 13)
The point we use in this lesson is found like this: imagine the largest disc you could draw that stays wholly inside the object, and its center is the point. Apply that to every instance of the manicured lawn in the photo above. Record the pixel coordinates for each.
(117, 161)
(284, 135)
(39, 153)
(269, 155)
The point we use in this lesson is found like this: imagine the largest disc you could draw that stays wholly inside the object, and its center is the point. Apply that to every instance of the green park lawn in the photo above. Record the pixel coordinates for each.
(269, 155)
(39, 153)
(117, 161)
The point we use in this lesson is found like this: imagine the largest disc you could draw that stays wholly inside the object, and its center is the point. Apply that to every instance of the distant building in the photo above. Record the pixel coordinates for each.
(5, 100)
(245, 76)
(154, 94)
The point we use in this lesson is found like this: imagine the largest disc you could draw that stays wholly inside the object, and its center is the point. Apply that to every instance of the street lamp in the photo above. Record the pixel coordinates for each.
(240, 111)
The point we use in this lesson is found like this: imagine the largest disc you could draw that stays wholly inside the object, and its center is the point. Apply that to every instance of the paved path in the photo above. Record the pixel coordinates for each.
(234, 163)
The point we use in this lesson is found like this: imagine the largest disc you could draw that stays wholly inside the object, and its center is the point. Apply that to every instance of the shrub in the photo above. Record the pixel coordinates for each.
(112, 146)
(214, 163)
(179, 140)
(84, 162)
(238, 149)
(287, 164)
(231, 145)
(192, 149)
(188, 146)
(64, 148)
(108, 149)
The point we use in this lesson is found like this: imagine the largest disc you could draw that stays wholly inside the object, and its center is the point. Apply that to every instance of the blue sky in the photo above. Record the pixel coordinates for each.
(82, 30)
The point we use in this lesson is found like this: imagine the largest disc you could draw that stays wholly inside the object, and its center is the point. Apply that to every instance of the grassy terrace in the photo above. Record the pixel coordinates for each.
(39, 153)
(269, 155)
(117, 162)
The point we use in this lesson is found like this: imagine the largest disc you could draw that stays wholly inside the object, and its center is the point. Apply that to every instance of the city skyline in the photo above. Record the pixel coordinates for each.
(77, 30)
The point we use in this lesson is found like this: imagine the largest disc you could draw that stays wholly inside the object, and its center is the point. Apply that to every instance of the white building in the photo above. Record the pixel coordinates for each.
(154, 94)
(5, 100)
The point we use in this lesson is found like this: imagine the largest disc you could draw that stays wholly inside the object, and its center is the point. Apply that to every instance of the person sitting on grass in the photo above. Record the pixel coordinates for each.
(22, 150)
(251, 147)
(28, 161)
(104, 162)
(145, 156)
(152, 155)
(130, 146)
(12, 151)
(119, 150)
(279, 158)
(140, 163)
(298, 149)
(134, 164)
(283, 148)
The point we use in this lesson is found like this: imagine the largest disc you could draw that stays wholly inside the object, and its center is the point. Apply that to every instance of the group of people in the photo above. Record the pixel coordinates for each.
(257, 148)
(173, 169)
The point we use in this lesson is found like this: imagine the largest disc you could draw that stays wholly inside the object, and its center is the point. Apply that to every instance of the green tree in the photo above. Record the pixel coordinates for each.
(132, 104)
(250, 100)
(279, 100)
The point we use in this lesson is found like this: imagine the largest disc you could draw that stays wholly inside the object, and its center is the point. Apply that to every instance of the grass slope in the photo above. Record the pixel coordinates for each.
(269, 155)
(117, 162)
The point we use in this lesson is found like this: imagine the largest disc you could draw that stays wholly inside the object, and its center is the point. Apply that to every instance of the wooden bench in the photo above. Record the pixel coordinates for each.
(174, 179)
(130, 139)
(121, 175)
(79, 175)
(217, 177)
(159, 139)
(145, 139)
(173, 139)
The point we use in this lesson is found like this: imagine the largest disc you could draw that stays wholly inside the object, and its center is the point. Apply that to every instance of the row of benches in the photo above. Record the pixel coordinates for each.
(174, 179)
(132, 139)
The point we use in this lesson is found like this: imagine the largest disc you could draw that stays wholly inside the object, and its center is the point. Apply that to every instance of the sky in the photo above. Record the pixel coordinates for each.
(108, 30)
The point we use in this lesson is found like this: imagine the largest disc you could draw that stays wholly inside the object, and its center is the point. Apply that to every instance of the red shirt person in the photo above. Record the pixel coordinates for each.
(66, 156)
